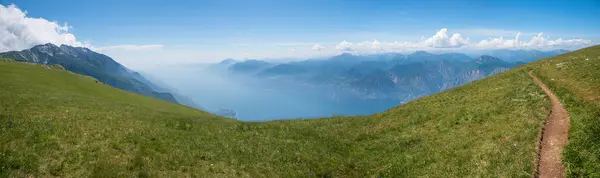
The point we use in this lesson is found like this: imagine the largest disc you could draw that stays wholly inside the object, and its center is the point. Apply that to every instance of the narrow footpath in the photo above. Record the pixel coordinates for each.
(554, 137)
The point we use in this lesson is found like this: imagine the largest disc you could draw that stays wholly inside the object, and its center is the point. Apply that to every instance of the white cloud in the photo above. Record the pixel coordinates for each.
(361, 47)
(441, 40)
(538, 41)
(129, 48)
(405, 46)
(541, 42)
(344, 46)
(376, 44)
(570, 44)
(18, 32)
(497, 43)
(517, 40)
(318, 47)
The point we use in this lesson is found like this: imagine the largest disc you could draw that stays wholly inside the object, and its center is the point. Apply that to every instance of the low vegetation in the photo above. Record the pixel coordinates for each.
(575, 78)
(57, 123)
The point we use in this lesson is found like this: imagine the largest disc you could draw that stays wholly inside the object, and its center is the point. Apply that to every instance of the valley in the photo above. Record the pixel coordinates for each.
(484, 128)
(343, 85)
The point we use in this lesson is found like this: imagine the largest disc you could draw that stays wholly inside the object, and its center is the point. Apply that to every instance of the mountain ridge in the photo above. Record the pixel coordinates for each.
(87, 62)
(370, 73)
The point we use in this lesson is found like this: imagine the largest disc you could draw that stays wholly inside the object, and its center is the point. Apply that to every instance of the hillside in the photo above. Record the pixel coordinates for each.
(575, 78)
(57, 123)
(87, 62)
(524, 55)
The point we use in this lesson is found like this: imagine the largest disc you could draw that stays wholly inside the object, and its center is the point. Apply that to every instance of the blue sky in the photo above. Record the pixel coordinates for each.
(201, 31)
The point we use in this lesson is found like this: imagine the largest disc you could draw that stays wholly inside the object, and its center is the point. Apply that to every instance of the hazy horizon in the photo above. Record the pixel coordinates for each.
(139, 34)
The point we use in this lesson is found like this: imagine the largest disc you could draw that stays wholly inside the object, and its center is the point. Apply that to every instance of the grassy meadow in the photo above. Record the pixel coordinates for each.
(54, 123)
(575, 78)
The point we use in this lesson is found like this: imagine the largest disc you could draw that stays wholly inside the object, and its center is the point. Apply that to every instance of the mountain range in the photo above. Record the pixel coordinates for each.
(383, 76)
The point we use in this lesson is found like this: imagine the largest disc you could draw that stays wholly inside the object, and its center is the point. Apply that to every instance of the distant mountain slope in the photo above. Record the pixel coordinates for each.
(223, 65)
(249, 66)
(87, 62)
(283, 69)
(158, 86)
(431, 76)
(383, 77)
(523, 55)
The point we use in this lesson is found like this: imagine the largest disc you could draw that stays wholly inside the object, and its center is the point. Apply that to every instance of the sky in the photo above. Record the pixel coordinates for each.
(148, 33)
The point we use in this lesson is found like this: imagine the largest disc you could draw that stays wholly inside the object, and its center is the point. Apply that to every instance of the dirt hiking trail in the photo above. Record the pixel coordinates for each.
(554, 137)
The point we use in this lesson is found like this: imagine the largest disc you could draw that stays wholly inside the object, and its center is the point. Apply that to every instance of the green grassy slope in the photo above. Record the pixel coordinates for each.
(575, 78)
(56, 123)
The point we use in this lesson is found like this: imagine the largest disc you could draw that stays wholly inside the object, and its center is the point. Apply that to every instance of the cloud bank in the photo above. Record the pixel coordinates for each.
(441, 40)
(538, 41)
(318, 47)
(345, 46)
(18, 32)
